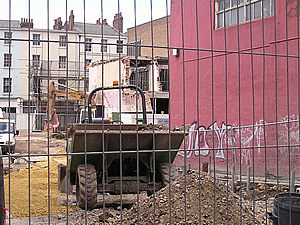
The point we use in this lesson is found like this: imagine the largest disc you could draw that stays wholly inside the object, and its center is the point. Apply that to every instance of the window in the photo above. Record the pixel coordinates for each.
(36, 85)
(62, 64)
(164, 79)
(88, 44)
(119, 46)
(232, 12)
(63, 82)
(103, 45)
(36, 39)
(7, 35)
(7, 85)
(36, 60)
(134, 48)
(62, 41)
(9, 110)
(7, 60)
(140, 78)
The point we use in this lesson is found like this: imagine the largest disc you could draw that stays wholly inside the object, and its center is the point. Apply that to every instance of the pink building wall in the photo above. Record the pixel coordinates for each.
(217, 112)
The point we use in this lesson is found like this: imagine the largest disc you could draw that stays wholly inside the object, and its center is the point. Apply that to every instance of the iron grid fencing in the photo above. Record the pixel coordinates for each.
(195, 119)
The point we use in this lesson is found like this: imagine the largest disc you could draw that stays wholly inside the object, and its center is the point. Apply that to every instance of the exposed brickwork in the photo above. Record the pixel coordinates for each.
(71, 21)
(57, 24)
(160, 37)
(118, 22)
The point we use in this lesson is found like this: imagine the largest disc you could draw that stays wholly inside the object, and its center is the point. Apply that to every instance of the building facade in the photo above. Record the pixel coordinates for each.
(11, 83)
(142, 35)
(98, 41)
(61, 55)
(239, 88)
(140, 41)
(141, 72)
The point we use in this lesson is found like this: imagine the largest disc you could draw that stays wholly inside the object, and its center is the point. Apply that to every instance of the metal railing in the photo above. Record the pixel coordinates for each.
(229, 152)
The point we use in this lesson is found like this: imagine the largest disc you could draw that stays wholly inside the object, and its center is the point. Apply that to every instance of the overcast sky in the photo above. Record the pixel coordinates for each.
(19, 9)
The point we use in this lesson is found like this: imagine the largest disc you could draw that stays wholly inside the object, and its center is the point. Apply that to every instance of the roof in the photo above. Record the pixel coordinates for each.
(96, 29)
(14, 23)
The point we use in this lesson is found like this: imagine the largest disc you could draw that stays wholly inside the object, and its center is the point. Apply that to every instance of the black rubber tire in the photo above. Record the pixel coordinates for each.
(86, 186)
(12, 149)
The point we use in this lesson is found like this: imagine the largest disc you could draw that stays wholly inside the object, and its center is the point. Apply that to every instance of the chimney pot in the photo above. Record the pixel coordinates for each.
(71, 21)
(57, 24)
(118, 22)
(26, 23)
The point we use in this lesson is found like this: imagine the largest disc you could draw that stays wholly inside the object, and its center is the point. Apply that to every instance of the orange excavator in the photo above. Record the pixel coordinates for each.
(70, 93)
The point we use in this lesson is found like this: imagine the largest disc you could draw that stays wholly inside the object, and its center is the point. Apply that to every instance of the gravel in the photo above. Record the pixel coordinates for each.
(201, 189)
(185, 207)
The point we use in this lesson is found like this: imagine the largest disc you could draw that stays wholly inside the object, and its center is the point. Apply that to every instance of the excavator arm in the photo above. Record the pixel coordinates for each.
(71, 94)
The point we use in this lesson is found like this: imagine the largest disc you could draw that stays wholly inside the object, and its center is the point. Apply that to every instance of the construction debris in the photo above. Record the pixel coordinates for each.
(186, 193)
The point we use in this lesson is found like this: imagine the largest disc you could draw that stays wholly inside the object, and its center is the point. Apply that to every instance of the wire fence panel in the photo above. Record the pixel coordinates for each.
(150, 112)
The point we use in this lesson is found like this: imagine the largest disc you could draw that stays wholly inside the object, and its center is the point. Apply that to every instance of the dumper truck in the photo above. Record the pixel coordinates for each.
(119, 158)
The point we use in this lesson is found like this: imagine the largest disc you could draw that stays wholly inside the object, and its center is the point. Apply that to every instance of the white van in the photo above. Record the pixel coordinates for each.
(8, 135)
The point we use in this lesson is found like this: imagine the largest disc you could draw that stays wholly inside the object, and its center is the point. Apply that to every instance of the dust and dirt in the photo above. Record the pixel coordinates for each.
(200, 191)
(204, 196)
(191, 195)
(39, 142)
(43, 189)
(40, 180)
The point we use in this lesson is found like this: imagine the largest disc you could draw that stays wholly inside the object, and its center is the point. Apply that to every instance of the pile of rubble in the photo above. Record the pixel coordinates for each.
(194, 198)
(217, 204)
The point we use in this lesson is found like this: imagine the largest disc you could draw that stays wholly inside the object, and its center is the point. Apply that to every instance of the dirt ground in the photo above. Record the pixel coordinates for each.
(38, 143)
(200, 192)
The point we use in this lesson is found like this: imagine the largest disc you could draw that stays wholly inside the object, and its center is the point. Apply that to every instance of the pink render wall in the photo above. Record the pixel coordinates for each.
(214, 97)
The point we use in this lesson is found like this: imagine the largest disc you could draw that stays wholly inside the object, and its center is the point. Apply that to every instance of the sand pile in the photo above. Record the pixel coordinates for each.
(162, 213)
(19, 189)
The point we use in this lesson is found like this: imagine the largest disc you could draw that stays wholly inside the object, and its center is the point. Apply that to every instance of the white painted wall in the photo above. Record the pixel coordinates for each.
(42, 50)
(96, 54)
(16, 67)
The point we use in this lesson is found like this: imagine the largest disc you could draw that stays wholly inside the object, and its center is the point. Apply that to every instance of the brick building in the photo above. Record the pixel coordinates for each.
(143, 35)
(140, 36)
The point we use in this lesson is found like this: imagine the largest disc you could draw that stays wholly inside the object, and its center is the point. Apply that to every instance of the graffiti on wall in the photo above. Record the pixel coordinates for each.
(292, 8)
(202, 141)
(289, 130)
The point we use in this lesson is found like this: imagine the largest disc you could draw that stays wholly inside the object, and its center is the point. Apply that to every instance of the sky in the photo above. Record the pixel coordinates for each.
(57, 8)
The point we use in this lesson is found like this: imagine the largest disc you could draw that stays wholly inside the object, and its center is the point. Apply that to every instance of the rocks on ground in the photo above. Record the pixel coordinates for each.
(191, 195)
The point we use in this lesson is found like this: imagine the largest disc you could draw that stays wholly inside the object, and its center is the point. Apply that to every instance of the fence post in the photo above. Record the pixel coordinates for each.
(2, 196)
(293, 181)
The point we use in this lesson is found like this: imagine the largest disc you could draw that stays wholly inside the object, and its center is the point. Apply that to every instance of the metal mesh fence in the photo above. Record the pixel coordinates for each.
(167, 112)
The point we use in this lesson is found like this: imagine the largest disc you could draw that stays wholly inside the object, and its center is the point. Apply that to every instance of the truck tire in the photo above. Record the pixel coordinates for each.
(12, 149)
(168, 174)
(86, 186)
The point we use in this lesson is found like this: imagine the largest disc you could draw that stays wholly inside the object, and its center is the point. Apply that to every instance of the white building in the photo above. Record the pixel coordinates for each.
(16, 76)
(95, 46)
(11, 66)
(145, 74)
